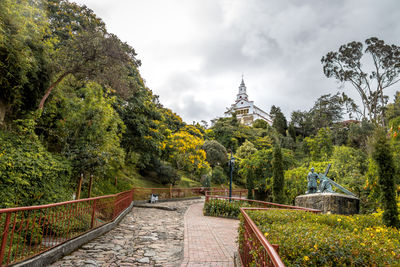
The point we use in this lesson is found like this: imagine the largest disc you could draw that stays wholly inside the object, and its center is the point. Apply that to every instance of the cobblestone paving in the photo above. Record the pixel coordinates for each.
(145, 237)
(209, 241)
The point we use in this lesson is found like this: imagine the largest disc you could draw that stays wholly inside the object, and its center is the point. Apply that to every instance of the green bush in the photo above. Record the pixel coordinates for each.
(223, 208)
(30, 175)
(167, 174)
(218, 176)
(307, 239)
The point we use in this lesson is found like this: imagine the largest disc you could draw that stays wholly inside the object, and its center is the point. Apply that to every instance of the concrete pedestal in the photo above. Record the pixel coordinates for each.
(334, 203)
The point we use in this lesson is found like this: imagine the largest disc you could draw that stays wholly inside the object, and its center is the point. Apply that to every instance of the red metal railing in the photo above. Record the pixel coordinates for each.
(168, 193)
(225, 192)
(261, 204)
(254, 248)
(28, 231)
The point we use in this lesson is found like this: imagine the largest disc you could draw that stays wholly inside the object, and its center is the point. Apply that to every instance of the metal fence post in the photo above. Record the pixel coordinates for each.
(5, 236)
(93, 213)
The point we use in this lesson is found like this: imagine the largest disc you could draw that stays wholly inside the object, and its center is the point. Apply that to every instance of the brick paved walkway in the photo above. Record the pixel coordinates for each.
(209, 241)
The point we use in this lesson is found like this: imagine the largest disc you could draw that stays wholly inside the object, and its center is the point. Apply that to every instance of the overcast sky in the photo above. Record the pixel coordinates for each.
(194, 52)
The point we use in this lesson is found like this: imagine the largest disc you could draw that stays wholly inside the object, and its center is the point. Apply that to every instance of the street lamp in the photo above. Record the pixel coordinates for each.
(231, 163)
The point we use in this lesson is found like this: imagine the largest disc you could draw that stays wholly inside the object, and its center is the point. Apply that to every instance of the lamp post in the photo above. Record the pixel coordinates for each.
(231, 163)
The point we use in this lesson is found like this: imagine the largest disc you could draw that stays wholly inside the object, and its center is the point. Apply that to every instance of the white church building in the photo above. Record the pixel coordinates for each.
(245, 110)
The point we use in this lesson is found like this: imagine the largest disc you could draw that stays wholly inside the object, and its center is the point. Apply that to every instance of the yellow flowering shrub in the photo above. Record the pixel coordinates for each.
(307, 239)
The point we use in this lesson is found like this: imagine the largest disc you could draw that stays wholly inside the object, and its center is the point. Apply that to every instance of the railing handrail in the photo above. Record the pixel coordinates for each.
(59, 224)
(267, 203)
(44, 206)
(167, 188)
(273, 255)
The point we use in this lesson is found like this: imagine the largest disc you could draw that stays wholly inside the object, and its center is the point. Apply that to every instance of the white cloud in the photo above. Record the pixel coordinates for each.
(194, 51)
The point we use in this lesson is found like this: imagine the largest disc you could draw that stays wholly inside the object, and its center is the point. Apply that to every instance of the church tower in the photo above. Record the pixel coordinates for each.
(245, 110)
(242, 95)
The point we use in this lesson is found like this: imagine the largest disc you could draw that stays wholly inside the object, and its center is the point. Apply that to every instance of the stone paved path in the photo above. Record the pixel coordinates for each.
(154, 237)
(145, 237)
(209, 241)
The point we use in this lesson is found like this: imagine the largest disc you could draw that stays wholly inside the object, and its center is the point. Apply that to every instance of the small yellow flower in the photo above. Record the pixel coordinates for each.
(362, 244)
(266, 234)
(355, 229)
(339, 220)
(393, 253)
(306, 258)
(315, 246)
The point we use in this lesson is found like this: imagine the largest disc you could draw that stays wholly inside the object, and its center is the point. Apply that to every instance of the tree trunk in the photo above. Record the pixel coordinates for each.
(78, 190)
(90, 186)
(3, 110)
(48, 92)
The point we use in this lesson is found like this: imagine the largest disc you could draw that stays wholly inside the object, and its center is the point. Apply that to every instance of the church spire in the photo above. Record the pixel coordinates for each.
(242, 95)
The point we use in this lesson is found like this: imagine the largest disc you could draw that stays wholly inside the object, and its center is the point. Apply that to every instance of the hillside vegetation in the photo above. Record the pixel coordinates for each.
(73, 104)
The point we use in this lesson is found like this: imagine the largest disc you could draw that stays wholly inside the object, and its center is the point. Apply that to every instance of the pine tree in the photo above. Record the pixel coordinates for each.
(279, 121)
(382, 155)
(278, 177)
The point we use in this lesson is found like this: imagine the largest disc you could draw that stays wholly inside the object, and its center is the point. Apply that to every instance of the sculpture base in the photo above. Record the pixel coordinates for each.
(331, 203)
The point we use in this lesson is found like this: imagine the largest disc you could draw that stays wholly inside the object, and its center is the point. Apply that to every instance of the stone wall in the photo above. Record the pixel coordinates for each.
(334, 203)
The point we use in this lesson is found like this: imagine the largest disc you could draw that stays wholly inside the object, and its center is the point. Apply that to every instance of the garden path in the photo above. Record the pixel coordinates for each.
(156, 237)
(209, 241)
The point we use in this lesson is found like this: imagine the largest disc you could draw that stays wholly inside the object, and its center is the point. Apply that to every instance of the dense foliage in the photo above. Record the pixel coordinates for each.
(30, 175)
(73, 94)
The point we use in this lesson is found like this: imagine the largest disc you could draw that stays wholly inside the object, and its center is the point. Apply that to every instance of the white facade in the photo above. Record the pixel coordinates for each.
(245, 110)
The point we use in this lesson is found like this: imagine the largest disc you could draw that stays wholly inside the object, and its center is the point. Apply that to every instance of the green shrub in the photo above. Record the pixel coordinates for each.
(218, 176)
(307, 239)
(30, 175)
(223, 208)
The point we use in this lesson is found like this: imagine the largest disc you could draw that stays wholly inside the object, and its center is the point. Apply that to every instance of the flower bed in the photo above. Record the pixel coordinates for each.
(307, 239)
(224, 208)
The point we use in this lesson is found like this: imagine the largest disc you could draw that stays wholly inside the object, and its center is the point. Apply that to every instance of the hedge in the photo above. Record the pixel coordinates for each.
(307, 239)
(224, 208)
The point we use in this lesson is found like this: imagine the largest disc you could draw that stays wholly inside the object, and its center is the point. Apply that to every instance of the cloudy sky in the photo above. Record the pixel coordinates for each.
(194, 52)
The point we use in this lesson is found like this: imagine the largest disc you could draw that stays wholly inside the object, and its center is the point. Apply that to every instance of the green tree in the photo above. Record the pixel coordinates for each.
(224, 130)
(24, 64)
(246, 150)
(262, 124)
(301, 122)
(393, 109)
(382, 155)
(350, 166)
(29, 174)
(278, 120)
(218, 175)
(327, 110)
(145, 131)
(359, 133)
(88, 130)
(278, 176)
(346, 65)
(321, 146)
(216, 153)
(85, 49)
